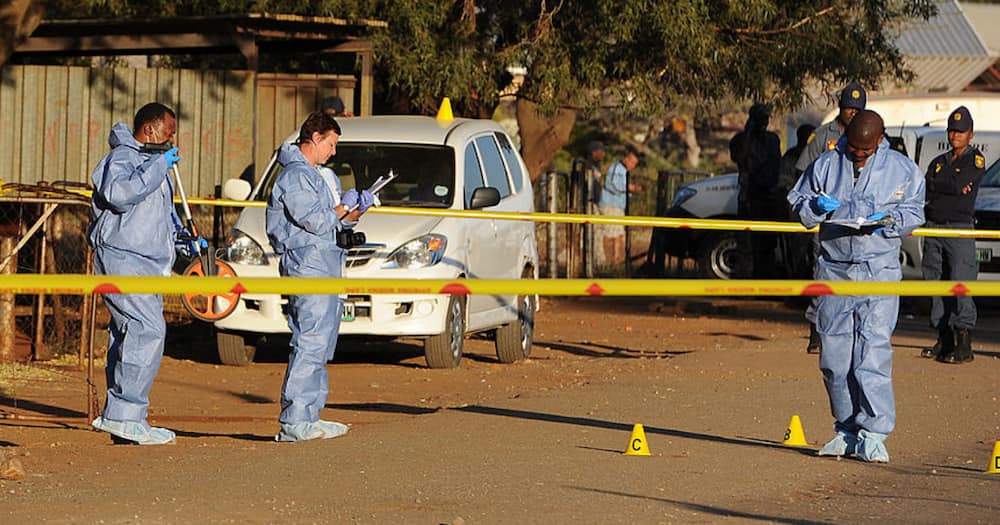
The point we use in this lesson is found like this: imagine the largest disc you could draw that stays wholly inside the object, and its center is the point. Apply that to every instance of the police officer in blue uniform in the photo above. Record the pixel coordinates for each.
(852, 99)
(952, 185)
(861, 178)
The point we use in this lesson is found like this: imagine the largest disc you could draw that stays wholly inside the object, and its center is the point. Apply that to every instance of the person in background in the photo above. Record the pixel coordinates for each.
(614, 198)
(853, 99)
(798, 255)
(757, 154)
(334, 106)
(861, 178)
(134, 231)
(302, 222)
(952, 185)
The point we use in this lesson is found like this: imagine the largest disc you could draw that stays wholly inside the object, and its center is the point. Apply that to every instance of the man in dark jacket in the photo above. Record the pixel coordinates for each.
(757, 153)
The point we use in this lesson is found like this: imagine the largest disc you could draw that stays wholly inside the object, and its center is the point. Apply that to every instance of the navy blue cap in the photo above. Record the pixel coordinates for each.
(334, 103)
(596, 145)
(853, 96)
(960, 120)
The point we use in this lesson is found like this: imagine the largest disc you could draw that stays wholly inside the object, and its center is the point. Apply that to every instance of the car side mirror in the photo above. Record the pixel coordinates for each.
(484, 198)
(236, 190)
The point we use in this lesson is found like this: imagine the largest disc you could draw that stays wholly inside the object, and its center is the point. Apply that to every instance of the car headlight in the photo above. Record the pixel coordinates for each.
(683, 195)
(419, 253)
(242, 249)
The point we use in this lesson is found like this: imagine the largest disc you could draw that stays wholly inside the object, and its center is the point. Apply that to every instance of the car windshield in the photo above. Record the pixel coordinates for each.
(425, 175)
(991, 179)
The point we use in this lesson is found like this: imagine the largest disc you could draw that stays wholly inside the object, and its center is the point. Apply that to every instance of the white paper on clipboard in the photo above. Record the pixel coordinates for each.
(381, 182)
(856, 223)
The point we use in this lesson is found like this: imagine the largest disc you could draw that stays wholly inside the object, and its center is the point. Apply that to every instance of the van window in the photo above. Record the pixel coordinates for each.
(473, 173)
(513, 165)
(496, 173)
(425, 175)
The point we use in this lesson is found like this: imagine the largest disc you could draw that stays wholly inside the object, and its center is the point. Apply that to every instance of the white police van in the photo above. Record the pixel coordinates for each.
(717, 253)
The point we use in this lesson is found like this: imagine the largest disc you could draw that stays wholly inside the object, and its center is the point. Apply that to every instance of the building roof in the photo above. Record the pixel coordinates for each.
(945, 53)
(249, 34)
(985, 18)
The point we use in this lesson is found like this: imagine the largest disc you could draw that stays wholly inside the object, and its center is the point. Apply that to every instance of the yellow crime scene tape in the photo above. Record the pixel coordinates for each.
(572, 218)
(68, 284)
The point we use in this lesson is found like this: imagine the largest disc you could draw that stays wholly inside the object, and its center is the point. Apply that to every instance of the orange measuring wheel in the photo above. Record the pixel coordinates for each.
(209, 306)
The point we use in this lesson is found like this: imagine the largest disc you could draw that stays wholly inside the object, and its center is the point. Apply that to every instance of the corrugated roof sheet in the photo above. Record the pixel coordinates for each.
(948, 33)
(946, 52)
(985, 18)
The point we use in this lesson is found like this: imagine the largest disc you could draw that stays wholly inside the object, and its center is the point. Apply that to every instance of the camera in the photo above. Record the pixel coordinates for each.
(348, 239)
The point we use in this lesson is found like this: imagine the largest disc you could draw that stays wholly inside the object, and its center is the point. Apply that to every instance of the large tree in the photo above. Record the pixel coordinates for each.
(642, 57)
(18, 18)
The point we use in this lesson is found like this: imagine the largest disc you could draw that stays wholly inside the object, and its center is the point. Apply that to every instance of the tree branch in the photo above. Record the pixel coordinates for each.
(763, 32)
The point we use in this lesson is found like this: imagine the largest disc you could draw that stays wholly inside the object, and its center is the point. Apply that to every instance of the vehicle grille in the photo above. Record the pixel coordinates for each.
(360, 255)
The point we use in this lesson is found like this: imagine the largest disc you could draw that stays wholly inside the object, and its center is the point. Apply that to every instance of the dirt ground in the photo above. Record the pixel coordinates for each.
(714, 382)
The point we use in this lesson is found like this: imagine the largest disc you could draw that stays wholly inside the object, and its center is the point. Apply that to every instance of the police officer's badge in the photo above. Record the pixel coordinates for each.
(831, 145)
(937, 168)
(855, 94)
(980, 162)
(957, 116)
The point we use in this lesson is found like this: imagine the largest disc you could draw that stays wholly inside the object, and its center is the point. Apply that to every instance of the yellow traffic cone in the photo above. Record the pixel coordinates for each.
(444, 112)
(637, 443)
(994, 467)
(794, 436)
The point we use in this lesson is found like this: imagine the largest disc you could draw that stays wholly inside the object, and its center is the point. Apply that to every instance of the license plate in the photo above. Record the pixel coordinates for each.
(348, 312)
(984, 254)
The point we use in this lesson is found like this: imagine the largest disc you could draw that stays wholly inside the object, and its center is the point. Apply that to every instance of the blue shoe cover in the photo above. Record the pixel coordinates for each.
(137, 432)
(843, 444)
(310, 430)
(871, 447)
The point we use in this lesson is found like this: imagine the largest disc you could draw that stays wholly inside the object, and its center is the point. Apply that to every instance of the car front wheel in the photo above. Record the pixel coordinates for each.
(719, 256)
(444, 350)
(235, 349)
(513, 340)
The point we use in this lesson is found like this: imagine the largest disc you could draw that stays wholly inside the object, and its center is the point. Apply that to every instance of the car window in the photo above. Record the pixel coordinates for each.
(496, 173)
(510, 156)
(991, 179)
(425, 174)
(473, 173)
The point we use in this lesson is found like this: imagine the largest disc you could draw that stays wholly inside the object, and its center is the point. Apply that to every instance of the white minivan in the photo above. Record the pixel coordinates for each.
(459, 164)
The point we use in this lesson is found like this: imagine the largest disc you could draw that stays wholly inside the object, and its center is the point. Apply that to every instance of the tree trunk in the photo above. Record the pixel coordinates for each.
(18, 19)
(541, 136)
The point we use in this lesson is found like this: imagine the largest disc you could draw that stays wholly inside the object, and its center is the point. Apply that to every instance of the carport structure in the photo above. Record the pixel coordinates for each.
(251, 34)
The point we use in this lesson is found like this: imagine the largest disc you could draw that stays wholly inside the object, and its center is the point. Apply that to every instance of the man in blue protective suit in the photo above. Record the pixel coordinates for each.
(303, 219)
(877, 194)
(133, 231)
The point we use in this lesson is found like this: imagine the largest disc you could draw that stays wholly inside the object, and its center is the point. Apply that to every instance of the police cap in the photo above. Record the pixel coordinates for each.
(596, 145)
(853, 96)
(960, 120)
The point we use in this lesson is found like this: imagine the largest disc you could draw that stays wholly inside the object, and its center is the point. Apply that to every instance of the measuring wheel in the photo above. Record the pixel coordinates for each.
(210, 307)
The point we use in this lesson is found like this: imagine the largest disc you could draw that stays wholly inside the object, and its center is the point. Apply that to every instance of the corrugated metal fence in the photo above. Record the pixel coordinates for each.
(55, 119)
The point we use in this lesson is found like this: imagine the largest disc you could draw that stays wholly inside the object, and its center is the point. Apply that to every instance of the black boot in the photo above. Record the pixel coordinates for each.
(963, 349)
(945, 344)
(815, 345)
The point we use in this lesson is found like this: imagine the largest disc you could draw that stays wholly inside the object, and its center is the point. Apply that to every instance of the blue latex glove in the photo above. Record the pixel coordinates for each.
(172, 157)
(188, 246)
(824, 203)
(362, 201)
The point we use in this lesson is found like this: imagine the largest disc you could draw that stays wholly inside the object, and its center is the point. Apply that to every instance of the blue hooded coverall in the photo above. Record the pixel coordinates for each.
(302, 226)
(132, 231)
(855, 331)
